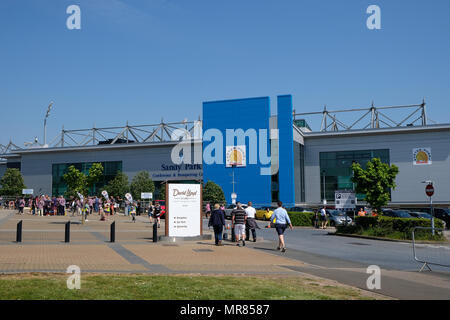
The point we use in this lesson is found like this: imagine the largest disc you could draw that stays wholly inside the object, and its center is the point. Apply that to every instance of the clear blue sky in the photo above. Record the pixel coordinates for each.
(140, 60)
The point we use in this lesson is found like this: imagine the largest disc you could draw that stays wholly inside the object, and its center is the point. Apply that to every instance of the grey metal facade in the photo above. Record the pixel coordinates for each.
(37, 165)
(400, 143)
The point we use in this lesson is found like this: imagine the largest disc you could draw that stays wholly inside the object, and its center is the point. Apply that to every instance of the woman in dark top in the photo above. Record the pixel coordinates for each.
(217, 221)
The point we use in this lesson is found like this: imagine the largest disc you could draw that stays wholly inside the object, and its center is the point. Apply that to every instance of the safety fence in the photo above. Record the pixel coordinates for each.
(429, 254)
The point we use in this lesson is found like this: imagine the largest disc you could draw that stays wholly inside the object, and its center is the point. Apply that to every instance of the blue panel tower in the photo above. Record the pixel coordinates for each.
(250, 115)
(286, 151)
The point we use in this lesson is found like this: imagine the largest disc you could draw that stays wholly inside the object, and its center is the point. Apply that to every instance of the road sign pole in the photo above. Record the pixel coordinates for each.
(432, 216)
(429, 190)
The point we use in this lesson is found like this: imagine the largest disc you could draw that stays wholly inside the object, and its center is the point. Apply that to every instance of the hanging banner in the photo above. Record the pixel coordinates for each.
(129, 197)
(183, 210)
(422, 156)
(235, 156)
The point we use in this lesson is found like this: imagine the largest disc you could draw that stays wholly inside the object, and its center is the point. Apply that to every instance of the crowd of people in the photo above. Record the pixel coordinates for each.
(45, 205)
(244, 221)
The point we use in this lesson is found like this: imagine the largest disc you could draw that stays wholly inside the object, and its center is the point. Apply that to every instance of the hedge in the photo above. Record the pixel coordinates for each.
(397, 228)
(302, 219)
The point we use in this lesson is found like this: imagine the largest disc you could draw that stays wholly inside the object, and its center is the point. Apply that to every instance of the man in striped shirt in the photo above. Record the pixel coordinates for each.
(239, 218)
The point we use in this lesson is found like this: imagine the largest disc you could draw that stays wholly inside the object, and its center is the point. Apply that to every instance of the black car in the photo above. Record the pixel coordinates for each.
(396, 213)
(422, 215)
(440, 213)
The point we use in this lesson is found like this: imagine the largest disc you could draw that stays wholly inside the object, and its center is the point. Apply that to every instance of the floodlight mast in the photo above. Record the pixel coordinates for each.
(45, 122)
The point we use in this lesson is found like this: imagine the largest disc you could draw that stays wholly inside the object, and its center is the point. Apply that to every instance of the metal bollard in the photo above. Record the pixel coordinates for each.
(113, 232)
(155, 232)
(233, 236)
(19, 232)
(67, 233)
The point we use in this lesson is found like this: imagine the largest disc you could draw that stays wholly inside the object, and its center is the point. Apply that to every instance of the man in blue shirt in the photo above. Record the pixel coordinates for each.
(282, 220)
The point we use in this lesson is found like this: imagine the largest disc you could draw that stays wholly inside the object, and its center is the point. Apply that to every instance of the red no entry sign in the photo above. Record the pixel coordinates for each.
(429, 190)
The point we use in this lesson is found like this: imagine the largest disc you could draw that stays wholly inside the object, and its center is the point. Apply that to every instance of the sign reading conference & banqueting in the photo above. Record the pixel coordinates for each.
(184, 215)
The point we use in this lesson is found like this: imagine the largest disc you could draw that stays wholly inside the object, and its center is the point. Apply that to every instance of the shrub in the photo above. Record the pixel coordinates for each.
(406, 225)
(349, 229)
(395, 228)
(366, 222)
(302, 219)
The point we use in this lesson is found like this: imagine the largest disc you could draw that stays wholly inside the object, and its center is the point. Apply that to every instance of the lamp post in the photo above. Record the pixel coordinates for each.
(233, 194)
(45, 122)
(324, 191)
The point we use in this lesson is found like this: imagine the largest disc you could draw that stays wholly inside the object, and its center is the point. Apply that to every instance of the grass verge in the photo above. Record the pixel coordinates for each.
(175, 287)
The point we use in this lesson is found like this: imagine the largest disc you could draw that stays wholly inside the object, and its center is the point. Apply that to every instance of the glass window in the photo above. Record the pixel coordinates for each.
(336, 172)
(59, 187)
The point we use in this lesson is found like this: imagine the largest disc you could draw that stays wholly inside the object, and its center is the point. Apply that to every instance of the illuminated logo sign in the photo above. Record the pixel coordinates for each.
(236, 156)
(422, 156)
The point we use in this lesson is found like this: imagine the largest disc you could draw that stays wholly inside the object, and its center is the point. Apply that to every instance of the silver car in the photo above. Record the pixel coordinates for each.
(230, 208)
(338, 218)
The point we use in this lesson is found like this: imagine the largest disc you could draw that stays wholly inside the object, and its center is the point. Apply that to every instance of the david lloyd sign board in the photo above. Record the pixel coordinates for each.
(183, 210)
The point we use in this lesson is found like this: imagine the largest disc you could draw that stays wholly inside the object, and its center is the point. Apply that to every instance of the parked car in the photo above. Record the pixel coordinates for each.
(422, 215)
(338, 218)
(396, 213)
(443, 214)
(162, 203)
(440, 213)
(264, 214)
(230, 208)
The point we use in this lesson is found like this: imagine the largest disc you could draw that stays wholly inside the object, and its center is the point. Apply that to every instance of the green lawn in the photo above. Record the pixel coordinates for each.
(143, 287)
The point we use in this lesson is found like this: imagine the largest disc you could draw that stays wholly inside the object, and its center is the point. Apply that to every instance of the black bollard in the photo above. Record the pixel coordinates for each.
(67, 234)
(19, 232)
(113, 232)
(155, 232)
(233, 236)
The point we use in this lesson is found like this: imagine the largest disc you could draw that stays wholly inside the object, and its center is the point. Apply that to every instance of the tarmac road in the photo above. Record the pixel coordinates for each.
(346, 260)
(385, 254)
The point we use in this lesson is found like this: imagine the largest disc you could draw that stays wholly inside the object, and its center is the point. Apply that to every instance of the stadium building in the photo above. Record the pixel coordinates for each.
(259, 155)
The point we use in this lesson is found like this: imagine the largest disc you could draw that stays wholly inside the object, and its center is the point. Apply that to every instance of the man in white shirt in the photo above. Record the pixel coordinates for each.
(323, 218)
(251, 222)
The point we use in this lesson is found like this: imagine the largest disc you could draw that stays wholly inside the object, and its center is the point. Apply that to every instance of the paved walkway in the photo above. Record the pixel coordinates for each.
(43, 250)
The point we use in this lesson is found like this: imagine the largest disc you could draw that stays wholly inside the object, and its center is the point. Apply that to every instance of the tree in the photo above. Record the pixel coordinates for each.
(94, 175)
(76, 182)
(12, 183)
(141, 183)
(213, 193)
(375, 181)
(162, 192)
(119, 186)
